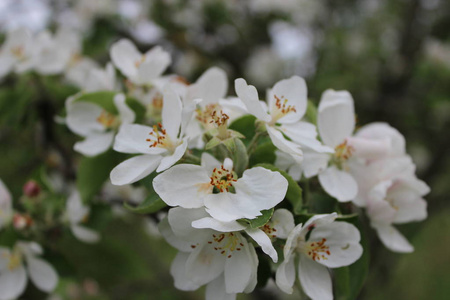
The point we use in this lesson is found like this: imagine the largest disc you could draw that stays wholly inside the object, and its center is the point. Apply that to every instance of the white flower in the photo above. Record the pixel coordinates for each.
(282, 115)
(16, 52)
(160, 147)
(6, 210)
(320, 244)
(217, 188)
(101, 79)
(97, 125)
(141, 69)
(13, 274)
(225, 261)
(76, 214)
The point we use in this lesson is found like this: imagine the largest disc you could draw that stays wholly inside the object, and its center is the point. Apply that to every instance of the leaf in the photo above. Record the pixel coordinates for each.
(240, 157)
(94, 171)
(311, 112)
(294, 191)
(103, 99)
(150, 205)
(244, 125)
(138, 109)
(260, 220)
(264, 153)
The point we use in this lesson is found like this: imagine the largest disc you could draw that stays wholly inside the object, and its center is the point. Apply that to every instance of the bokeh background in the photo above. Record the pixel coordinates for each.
(392, 55)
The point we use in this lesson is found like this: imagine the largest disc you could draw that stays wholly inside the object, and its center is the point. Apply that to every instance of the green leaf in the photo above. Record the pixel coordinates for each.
(240, 157)
(103, 99)
(261, 220)
(311, 112)
(94, 171)
(294, 192)
(245, 125)
(150, 205)
(264, 153)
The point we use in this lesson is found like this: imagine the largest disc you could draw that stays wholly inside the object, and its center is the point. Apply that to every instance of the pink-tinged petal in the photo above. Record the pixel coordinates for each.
(5, 204)
(239, 268)
(285, 276)
(124, 55)
(180, 220)
(134, 169)
(381, 131)
(156, 62)
(204, 264)
(211, 86)
(249, 95)
(315, 279)
(217, 225)
(175, 241)
(215, 290)
(295, 92)
(126, 114)
(410, 206)
(369, 148)
(263, 240)
(12, 283)
(171, 113)
(343, 241)
(338, 184)
(95, 144)
(284, 145)
(393, 239)
(380, 212)
(304, 134)
(183, 185)
(82, 118)
(170, 160)
(132, 138)
(283, 222)
(42, 274)
(336, 117)
(182, 279)
(85, 234)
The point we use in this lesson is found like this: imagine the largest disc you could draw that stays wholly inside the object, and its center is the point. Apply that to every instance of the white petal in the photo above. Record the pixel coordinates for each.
(95, 143)
(209, 162)
(239, 268)
(283, 222)
(249, 95)
(212, 223)
(205, 264)
(124, 55)
(284, 145)
(132, 138)
(304, 134)
(369, 148)
(339, 184)
(315, 279)
(264, 241)
(82, 117)
(184, 185)
(336, 117)
(319, 220)
(393, 239)
(85, 234)
(175, 241)
(127, 115)
(380, 212)
(5, 204)
(314, 163)
(180, 220)
(285, 276)
(156, 62)
(379, 130)
(170, 160)
(215, 290)
(134, 169)
(4, 258)
(411, 208)
(211, 86)
(42, 274)
(224, 207)
(75, 209)
(12, 283)
(294, 91)
(181, 277)
(171, 113)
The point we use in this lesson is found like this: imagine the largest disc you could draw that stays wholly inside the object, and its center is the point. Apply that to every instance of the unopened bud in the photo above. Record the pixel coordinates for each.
(31, 189)
(22, 221)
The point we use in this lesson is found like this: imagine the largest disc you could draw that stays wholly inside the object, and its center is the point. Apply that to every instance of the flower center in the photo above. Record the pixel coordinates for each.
(317, 250)
(18, 52)
(14, 259)
(223, 178)
(108, 120)
(226, 243)
(159, 138)
(281, 108)
(342, 153)
(205, 115)
(138, 62)
(269, 230)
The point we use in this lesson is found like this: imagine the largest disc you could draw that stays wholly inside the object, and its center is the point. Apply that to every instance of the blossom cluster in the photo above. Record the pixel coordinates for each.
(226, 202)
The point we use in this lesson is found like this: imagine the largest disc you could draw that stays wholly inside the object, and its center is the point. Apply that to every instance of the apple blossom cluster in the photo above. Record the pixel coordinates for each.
(227, 170)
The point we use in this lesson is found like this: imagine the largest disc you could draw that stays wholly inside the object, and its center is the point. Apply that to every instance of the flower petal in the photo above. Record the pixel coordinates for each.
(283, 222)
(95, 144)
(156, 62)
(336, 117)
(85, 234)
(175, 241)
(249, 95)
(184, 185)
(204, 264)
(124, 55)
(170, 160)
(211, 86)
(12, 283)
(239, 268)
(82, 117)
(180, 220)
(134, 169)
(304, 134)
(285, 276)
(171, 113)
(315, 279)
(215, 290)
(295, 92)
(284, 145)
(42, 274)
(339, 184)
(132, 138)
(264, 241)
(393, 239)
(182, 279)
(126, 114)
(217, 225)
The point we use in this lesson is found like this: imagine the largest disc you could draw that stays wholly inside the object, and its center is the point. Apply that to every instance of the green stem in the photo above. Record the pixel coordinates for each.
(192, 158)
(253, 143)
